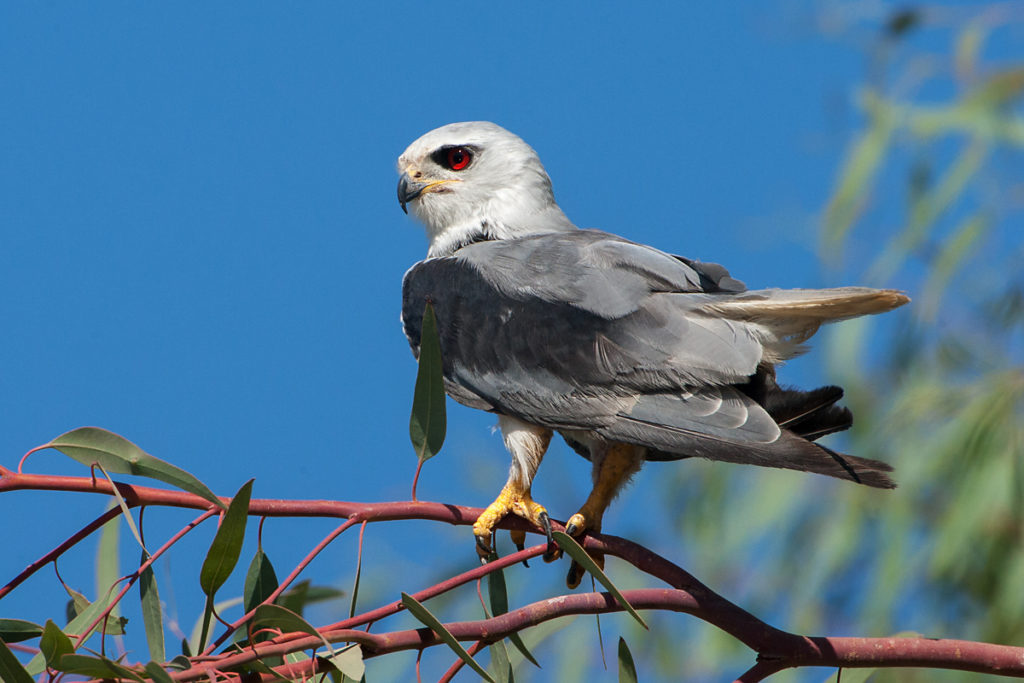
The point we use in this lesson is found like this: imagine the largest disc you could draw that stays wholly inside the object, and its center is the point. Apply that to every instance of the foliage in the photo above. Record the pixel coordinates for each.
(273, 642)
(937, 390)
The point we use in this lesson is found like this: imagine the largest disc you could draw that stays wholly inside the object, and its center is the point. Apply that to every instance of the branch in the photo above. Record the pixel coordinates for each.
(796, 650)
(776, 649)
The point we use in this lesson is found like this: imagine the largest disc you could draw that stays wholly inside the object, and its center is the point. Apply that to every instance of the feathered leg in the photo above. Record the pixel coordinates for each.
(527, 444)
(613, 465)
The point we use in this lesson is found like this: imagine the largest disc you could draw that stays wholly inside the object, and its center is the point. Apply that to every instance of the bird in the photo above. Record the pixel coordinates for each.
(629, 353)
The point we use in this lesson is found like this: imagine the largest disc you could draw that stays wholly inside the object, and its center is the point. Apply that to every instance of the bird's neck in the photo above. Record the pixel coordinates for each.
(446, 240)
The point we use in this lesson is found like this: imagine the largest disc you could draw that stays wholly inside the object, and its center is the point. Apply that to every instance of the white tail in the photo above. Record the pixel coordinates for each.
(785, 318)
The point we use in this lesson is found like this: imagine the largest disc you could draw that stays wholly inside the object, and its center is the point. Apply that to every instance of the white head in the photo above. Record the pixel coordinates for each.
(470, 180)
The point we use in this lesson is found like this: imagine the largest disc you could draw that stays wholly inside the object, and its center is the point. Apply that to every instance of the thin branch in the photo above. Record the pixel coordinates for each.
(281, 588)
(457, 665)
(823, 652)
(60, 550)
(776, 649)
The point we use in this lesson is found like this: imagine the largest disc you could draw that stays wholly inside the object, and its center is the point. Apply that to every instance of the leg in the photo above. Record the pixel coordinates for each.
(527, 444)
(613, 465)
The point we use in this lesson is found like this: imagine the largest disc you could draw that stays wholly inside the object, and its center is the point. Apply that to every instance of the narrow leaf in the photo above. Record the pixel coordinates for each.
(576, 552)
(79, 602)
(152, 612)
(227, 543)
(499, 666)
(11, 670)
(627, 669)
(302, 594)
(181, 662)
(497, 595)
(117, 454)
(260, 581)
(288, 621)
(54, 644)
(157, 673)
(96, 667)
(77, 626)
(124, 510)
(427, 423)
(859, 170)
(204, 625)
(349, 661)
(107, 556)
(17, 630)
(423, 614)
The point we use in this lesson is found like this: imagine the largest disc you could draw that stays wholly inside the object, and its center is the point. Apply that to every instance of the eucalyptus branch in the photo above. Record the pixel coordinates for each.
(776, 649)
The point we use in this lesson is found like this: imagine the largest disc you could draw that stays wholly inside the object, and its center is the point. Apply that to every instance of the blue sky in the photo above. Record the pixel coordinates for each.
(201, 249)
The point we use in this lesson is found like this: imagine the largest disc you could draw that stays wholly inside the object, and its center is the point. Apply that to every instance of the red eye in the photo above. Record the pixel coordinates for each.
(458, 158)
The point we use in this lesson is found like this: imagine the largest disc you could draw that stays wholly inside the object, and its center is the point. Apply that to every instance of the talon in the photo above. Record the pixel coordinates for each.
(576, 571)
(576, 525)
(483, 548)
(519, 540)
(515, 499)
(575, 575)
(552, 552)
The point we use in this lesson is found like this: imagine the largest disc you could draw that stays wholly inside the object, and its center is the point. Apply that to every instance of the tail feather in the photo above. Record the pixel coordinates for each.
(783, 319)
(790, 451)
(822, 305)
(810, 414)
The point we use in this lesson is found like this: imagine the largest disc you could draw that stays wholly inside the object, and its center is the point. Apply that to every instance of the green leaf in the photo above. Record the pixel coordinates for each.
(952, 255)
(575, 551)
(117, 454)
(54, 644)
(17, 630)
(181, 662)
(96, 667)
(497, 595)
(423, 614)
(427, 424)
(302, 594)
(79, 602)
(286, 620)
(77, 626)
(627, 669)
(157, 673)
(152, 612)
(855, 180)
(499, 667)
(124, 511)
(349, 661)
(11, 670)
(227, 543)
(107, 556)
(260, 581)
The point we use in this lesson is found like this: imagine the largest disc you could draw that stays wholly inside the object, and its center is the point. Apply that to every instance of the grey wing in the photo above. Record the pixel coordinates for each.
(582, 311)
(568, 330)
(584, 331)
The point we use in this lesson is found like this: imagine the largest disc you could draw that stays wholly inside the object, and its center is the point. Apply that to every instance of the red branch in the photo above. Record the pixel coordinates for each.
(794, 650)
(776, 649)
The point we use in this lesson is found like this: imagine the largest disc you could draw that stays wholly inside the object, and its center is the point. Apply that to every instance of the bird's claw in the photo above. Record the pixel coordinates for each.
(552, 552)
(576, 525)
(575, 575)
(516, 500)
(483, 548)
(519, 540)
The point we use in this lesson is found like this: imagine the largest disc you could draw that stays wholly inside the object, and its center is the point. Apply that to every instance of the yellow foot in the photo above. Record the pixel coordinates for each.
(517, 501)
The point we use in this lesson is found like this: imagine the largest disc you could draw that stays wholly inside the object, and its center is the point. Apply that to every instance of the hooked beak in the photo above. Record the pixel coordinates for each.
(409, 189)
